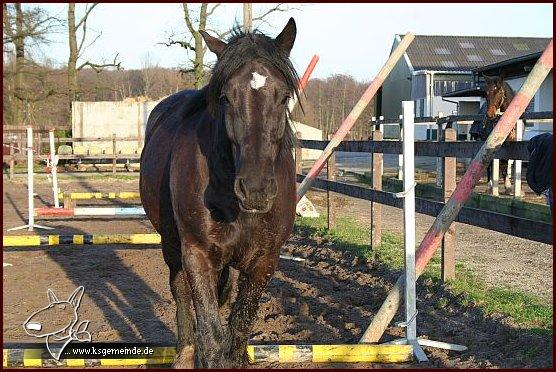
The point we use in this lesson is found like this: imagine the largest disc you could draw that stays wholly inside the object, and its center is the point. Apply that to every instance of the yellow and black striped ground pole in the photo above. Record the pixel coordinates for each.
(45, 240)
(357, 353)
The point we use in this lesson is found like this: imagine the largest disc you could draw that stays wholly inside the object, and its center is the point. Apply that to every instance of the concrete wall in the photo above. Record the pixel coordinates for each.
(129, 119)
(102, 119)
(311, 133)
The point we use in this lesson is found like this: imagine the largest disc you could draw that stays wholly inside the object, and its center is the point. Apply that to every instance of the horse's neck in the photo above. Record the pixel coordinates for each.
(220, 159)
(508, 97)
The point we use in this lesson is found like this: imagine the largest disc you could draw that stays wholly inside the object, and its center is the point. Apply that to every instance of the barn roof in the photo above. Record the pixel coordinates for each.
(466, 53)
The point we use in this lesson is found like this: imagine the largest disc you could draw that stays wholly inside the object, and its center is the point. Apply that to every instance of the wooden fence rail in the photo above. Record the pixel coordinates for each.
(507, 224)
(459, 149)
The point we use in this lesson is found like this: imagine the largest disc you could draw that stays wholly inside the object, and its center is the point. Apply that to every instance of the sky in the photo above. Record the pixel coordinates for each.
(351, 39)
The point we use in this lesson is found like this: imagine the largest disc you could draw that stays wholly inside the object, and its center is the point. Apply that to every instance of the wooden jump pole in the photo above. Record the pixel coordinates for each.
(463, 190)
(89, 211)
(350, 120)
(101, 195)
(358, 353)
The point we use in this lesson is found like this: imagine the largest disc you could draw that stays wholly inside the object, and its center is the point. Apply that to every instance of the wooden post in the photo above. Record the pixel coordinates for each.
(114, 153)
(69, 203)
(376, 208)
(12, 160)
(331, 175)
(449, 185)
(248, 17)
(298, 155)
(39, 147)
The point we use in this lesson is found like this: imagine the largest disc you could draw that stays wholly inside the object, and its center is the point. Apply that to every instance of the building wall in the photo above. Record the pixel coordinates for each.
(396, 88)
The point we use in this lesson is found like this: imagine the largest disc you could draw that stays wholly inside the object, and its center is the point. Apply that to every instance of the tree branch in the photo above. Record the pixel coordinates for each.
(99, 67)
(187, 18)
(87, 11)
(209, 13)
(277, 8)
(184, 44)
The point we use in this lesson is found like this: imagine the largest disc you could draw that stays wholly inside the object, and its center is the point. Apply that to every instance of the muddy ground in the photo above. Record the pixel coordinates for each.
(329, 298)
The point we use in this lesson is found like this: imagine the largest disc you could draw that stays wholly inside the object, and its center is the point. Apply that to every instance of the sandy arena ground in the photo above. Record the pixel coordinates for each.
(329, 298)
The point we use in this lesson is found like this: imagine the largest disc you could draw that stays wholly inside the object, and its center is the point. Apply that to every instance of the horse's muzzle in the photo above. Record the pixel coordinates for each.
(255, 195)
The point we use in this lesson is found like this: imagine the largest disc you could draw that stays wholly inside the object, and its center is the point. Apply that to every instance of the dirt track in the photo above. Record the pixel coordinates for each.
(330, 298)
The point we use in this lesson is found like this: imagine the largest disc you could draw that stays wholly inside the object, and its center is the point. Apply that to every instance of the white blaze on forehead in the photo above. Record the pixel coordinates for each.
(257, 81)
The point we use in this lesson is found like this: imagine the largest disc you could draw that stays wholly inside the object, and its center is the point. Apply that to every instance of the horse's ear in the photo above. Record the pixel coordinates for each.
(75, 298)
(215, 45)
(287, 37)
(502, 76)
(52, 299)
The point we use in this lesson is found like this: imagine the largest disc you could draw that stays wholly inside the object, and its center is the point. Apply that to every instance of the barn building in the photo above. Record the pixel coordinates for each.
(515, 71)
(435, 66)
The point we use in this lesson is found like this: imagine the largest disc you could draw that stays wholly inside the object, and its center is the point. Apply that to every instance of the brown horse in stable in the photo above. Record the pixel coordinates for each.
(218, 184)
(498, 94)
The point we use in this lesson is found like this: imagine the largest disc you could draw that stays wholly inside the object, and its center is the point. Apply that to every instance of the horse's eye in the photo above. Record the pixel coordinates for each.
(224, 99)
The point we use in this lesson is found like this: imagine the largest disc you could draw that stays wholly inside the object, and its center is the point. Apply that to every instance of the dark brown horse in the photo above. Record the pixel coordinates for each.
(218, 184)
(498, 94)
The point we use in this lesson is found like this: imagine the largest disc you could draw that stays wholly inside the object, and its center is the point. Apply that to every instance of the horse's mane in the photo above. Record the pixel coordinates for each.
(242, 48)
(508, 92)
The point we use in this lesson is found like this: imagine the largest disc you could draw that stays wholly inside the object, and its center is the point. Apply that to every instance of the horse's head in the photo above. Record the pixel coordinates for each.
(56, 317)
(495, 94)
(251, 84)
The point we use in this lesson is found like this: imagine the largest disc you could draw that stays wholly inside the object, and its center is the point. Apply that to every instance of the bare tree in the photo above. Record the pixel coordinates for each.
(76, 50)
(193, 41)
(21, 28)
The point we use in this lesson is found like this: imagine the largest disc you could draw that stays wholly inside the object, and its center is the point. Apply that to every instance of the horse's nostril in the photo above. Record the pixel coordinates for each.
(239, 189)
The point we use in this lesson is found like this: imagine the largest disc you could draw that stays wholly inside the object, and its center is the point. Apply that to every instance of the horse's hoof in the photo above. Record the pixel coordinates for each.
(185, 358)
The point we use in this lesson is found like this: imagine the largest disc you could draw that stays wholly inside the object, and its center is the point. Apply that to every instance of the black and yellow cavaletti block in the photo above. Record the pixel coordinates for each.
(257, 354)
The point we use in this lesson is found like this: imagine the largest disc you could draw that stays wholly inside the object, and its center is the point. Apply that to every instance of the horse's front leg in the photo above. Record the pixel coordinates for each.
(211, 339)
(244, 311)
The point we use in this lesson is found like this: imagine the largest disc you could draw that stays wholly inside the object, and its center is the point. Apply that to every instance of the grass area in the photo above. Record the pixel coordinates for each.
(526, 310)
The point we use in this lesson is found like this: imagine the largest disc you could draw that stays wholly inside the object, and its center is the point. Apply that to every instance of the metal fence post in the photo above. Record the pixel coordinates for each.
(495, 176)
(331, 176)
(400, 156)
(376, 208)
(439, 139)
(516, 171)
(449, 240)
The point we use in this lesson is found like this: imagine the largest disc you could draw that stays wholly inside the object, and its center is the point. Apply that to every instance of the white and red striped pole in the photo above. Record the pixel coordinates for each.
(463, 190)
(304, 80)
(350, 120)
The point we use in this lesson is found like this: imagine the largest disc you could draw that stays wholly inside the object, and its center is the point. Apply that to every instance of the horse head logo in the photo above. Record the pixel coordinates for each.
(58, 321)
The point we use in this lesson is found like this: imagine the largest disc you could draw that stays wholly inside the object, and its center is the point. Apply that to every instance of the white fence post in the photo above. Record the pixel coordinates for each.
(53, 169)
(400, 156)
(516, 174)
